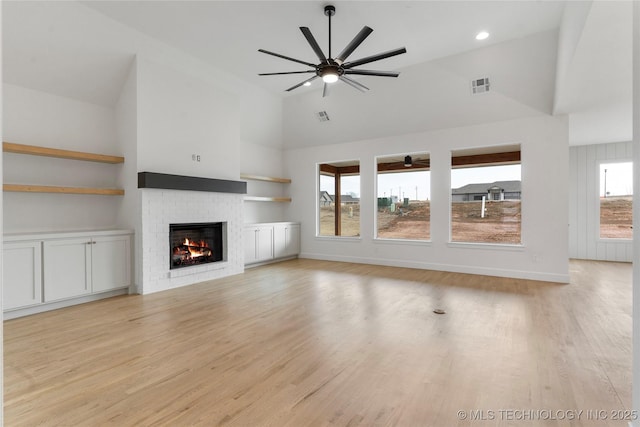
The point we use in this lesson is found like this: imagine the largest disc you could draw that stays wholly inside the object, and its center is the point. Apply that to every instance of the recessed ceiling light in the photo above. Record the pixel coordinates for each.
(482, 35)
(307, 84)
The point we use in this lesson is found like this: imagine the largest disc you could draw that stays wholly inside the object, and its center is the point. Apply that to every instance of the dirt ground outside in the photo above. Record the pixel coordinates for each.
(616, 217)
(350, 224)
(406, 222)
(501, 223)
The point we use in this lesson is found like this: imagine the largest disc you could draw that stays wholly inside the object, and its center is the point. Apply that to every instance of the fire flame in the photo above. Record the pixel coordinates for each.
(197, 249)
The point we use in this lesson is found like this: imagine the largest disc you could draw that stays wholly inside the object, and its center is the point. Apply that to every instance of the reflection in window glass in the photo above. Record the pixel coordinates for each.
(616, 200)
(404, 186)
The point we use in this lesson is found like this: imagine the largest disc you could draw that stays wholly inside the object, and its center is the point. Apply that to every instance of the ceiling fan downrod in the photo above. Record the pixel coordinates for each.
(329, 11)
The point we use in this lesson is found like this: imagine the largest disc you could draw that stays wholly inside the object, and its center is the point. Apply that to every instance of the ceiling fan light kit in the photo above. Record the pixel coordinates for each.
(333, 69)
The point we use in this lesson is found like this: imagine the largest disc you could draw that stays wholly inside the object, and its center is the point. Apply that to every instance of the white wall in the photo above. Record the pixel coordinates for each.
(129, 212)
(263, 161)
(584, 203)
(545, 155)
(37, 118)
(180, 115)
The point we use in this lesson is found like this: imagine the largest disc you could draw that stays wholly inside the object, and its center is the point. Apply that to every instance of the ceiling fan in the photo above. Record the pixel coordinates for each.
(333, 69)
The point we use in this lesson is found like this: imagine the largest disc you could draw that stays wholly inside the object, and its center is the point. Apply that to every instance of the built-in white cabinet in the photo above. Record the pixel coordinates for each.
(56, 269)
(67, 268)
(110, 263)
(258, 244)
(22, 274)
(271, 241)
(80, 266)
(286, 240)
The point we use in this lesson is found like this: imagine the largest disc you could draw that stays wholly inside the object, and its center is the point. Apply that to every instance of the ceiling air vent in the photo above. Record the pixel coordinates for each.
(480, 85)
(322, 116)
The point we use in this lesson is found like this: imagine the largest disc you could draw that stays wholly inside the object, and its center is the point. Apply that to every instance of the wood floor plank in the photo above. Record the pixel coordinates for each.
(316, 343)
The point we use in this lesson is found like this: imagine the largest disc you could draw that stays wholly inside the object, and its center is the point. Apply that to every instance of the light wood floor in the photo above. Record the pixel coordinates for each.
(312, 343)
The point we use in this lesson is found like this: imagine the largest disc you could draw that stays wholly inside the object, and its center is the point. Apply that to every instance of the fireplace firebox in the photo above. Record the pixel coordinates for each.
(196, 244)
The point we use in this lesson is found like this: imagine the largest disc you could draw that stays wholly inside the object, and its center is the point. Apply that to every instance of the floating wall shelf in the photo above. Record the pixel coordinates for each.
(26, 188)
(10, 147)
(266, 179)
(32, 150)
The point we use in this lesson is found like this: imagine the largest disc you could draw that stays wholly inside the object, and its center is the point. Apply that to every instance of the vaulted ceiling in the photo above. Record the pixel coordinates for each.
(593, 81)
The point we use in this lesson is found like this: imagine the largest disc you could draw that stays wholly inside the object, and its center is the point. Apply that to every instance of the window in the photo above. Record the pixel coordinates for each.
(339, 202)
(403, 187)
(485, 195)
(616, 199)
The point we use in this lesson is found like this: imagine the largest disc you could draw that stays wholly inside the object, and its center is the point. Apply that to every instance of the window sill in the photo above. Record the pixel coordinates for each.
(384, 241)
(488, 246)
(339, 238)
(614, 240)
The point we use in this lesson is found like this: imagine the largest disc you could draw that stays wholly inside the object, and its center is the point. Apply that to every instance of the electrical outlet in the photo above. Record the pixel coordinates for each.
(198, 157)
(195, 157)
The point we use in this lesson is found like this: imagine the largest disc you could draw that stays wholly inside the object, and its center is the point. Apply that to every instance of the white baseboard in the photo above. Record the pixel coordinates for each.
(48, 306)
(271, 261)
(484, 271)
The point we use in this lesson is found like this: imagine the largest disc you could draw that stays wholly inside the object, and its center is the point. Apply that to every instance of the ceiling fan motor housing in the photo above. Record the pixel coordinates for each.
(329, 10)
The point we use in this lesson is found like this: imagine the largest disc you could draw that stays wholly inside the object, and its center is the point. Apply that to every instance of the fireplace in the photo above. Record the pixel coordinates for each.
(196, 244)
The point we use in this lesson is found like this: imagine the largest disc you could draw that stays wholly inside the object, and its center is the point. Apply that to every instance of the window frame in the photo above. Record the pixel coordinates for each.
(347, 164)
(414, 167)
(598, 230)
(503, 155)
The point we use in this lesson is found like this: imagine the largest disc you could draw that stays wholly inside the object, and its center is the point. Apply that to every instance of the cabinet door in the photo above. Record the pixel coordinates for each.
(264, 243)
(250, 248)
(293, 240)
(22, 274)
(110, 263)
(67, 268)
(286, 240)
(280, 235)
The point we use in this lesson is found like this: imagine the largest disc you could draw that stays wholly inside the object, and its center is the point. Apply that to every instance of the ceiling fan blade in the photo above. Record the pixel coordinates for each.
(287, 72)
(300, 84)
(354, 83)
(357, 40)
(374, 58)
(325, 90)
(372, 73)
(314, 44)
(288, 58)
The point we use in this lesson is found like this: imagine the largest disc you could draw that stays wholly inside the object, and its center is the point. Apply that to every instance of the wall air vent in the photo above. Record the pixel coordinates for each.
(322, 116)
(480, 85)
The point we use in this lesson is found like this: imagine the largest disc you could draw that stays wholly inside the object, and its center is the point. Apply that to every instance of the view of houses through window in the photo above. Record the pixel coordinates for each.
(403, 188)
(485, 195)
(616, 199)
(339, 204)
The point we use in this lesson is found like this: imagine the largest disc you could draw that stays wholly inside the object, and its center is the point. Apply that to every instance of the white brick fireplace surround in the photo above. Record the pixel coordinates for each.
(163, 207)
